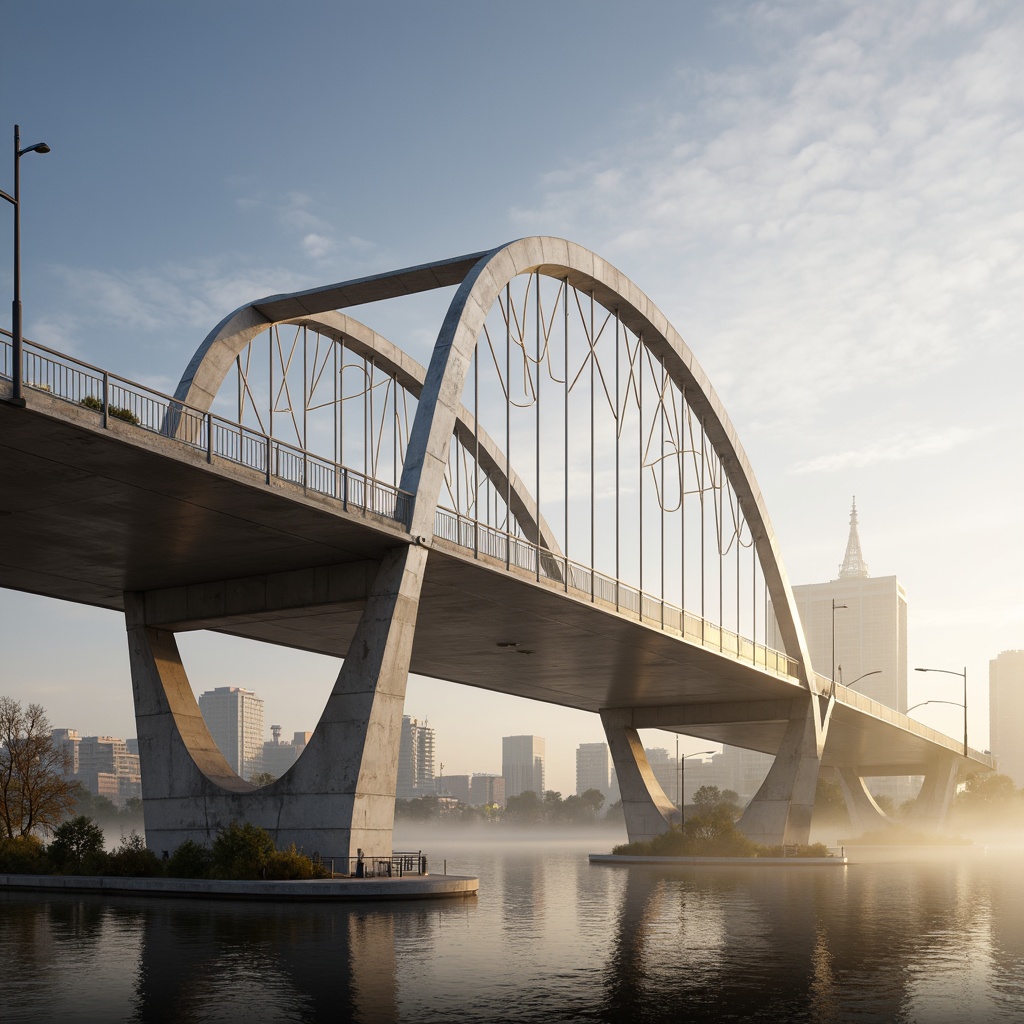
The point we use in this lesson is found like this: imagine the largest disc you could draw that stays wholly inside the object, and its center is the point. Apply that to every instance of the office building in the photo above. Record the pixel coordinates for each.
(415, 760)
(67, 740)
(279, 756)
(486, 790)
(593, 765)
(106, 768)
(522, 765)
(1006, 713)
(234, 717)
(455, 786)
(856, 627)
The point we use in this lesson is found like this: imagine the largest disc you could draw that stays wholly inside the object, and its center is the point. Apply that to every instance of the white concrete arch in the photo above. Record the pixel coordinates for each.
(213, 361)
(557, 258)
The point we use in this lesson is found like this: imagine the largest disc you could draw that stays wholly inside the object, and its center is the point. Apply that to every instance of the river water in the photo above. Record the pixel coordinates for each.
(550, 937)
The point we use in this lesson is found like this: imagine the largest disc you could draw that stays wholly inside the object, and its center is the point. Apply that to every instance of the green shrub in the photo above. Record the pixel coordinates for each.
(77, 847)
(190, 860)
(291, 865)
(132, 859)
(23, 855)
(117, 412)
(242, 851)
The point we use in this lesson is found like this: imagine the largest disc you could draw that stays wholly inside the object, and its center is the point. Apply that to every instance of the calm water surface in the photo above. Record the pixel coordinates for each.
(549, 938)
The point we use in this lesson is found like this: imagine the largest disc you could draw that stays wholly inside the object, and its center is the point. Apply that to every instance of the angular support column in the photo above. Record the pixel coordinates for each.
(340, 794)
(648, 812)
(865, 814)
(937, 791)
(781, 809)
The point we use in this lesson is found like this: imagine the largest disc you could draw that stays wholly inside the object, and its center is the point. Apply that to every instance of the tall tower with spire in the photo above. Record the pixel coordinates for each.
(854, 566)
(863, 620)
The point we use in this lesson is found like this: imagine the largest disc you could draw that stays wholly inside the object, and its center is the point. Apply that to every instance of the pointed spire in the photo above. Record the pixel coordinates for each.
(854, 566)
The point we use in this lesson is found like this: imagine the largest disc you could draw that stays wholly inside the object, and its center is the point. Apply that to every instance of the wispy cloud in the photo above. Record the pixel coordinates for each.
(848, 209)
(894, 449)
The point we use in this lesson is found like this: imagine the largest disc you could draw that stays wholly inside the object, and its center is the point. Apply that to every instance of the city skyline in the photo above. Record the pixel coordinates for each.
(818, 203)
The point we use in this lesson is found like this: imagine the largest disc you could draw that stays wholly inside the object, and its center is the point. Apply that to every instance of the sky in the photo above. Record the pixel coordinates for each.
(825, 199)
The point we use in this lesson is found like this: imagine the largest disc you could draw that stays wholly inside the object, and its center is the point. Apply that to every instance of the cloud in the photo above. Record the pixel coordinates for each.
(912, 445)
(316, 247)
(845, 209)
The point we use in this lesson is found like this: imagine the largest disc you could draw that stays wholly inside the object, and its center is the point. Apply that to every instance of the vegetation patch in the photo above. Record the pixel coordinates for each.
(117, 412)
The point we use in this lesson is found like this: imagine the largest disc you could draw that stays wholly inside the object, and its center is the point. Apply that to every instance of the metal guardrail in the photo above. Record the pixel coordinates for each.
(582, 581)
(114, 397)
(394, 865)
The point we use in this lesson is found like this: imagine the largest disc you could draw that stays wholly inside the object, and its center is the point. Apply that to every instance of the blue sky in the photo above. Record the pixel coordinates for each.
(825, 199)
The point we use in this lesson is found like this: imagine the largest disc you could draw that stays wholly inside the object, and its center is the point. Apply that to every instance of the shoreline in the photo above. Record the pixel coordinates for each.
(323, 889)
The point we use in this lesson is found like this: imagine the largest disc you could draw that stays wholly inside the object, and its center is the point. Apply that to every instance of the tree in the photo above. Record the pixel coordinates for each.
(77, 843)
(36, 788)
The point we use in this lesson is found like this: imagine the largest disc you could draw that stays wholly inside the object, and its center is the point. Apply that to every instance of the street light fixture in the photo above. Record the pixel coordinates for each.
(15, 200)
(834, 607)
(874, 672)
(948, 672)
(682, 782)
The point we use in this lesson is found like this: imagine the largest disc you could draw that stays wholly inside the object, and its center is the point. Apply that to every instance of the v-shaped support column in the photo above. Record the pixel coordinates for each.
(781, 809)
(340, 794)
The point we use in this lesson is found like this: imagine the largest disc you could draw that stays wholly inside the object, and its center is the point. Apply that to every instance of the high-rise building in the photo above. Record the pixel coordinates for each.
(522, 764)
(856, 627)
(106, 768)
(666, 771)
(415, 760)
(1006, 713)
(234, 717)
(592, 768)
(486, 789)
(69, 740)
(455, 786)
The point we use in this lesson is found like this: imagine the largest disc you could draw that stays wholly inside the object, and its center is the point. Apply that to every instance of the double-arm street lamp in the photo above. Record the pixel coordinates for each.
(948, 672)
(15, 200)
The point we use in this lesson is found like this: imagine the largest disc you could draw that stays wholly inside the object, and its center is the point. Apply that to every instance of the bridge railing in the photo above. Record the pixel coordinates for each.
(583, 581)
(114, 397)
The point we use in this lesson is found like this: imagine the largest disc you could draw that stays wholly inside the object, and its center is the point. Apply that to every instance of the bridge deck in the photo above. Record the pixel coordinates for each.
(89, 512)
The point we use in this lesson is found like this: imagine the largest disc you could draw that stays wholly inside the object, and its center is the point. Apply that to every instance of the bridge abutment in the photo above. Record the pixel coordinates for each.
(340, 795)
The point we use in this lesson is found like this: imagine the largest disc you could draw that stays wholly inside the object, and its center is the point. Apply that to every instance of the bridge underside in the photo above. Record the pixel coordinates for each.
(101, 512)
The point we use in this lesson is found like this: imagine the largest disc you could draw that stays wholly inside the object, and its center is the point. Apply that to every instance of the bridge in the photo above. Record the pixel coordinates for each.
(555, 507)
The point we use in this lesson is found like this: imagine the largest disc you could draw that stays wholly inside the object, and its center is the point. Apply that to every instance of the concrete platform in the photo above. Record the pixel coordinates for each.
(325, 889)
(745, 862)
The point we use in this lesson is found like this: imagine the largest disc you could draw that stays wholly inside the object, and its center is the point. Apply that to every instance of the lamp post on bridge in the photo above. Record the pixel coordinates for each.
(15, 200)
(948, 672)
(863, 675)
(834, 607)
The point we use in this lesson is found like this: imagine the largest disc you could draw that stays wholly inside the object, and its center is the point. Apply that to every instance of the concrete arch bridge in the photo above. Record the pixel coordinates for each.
(556, 506)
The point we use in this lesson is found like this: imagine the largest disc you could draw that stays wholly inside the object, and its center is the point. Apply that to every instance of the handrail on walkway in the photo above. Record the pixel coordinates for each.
(114, 397)
(583, 581)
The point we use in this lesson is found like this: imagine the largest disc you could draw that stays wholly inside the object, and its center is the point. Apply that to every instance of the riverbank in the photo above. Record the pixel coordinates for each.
(324, 889)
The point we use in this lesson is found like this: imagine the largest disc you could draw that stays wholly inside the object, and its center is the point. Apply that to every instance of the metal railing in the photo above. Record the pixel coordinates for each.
(116, 398)
(582, 581)
(394, 865)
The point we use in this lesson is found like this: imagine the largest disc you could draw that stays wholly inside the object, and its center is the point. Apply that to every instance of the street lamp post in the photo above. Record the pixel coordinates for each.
(682, 781)
(948, 672)
(864, 675)
(834, 607)
(15, 200)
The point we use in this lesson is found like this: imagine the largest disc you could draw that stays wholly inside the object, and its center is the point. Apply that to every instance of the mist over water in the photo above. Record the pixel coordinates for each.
(549, 938)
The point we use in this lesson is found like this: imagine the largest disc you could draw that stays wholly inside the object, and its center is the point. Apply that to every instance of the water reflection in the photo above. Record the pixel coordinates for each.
(550, 938)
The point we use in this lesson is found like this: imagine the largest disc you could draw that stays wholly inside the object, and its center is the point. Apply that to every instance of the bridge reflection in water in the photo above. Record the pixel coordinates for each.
(550, 938)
